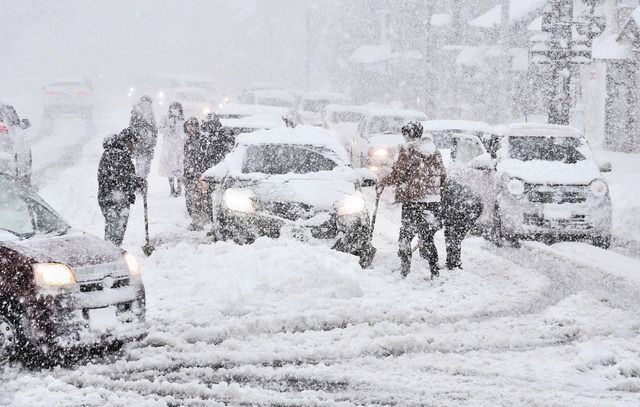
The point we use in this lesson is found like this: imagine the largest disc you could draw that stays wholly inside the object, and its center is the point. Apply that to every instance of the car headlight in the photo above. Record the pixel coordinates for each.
(160, 95)
(53, 274)
(206, 111)
(515, 186)
(132, 264)
(599, 188)
(374, 168)
(352, 204)
(379, 152)
(239, 200)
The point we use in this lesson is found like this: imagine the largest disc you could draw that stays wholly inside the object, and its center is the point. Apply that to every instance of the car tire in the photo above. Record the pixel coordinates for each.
(603, 242)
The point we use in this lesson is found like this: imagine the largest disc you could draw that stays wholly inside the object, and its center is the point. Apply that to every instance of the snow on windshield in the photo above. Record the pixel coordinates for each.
(568, 150)
(284, 159)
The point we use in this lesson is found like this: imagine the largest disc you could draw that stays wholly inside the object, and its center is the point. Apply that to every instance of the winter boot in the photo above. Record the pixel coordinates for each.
(405, 266)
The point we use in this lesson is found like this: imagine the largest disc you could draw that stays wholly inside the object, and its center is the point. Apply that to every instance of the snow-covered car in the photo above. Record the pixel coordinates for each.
(344, 120)
(379, 135)
(240, 111)
(313, 105)
(270, 97)
(68, 96)
(488, 134)
(207, 85)
(250, 124)
(294, 182)
(547, 184)
(60, 288)
(15, 152)
(159, 88)
(194, 101)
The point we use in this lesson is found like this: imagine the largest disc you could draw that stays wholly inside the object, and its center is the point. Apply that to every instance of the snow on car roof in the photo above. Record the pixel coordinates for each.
(254, 122)
(392, 111)
(537, 129)
(275, 94)
(301, 135)
(251, 110)
(324, 96)
(465, 125)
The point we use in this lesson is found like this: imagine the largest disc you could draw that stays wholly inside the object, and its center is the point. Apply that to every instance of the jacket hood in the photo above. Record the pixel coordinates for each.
(425, 145)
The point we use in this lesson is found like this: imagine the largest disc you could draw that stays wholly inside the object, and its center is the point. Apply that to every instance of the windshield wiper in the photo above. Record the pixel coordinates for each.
(19, 235)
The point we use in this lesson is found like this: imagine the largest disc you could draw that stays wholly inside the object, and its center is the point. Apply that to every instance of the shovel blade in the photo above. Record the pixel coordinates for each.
(147, 250)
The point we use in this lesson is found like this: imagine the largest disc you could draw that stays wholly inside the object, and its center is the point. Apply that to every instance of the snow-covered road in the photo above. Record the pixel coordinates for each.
(283, 322)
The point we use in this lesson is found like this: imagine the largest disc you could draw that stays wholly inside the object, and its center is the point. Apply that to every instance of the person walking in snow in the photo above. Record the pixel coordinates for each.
(221, 140)
(418, 176)
(117, 183)
(172, 154)
(144, 122)
(460, 209)
(197, 156)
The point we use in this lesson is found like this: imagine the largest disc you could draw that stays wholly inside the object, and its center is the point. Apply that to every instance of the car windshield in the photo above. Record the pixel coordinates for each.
(276, 159)
(274, 102)
(568, 150)
(347, 117)
(387, 124)
(315, 105)
(24, 214)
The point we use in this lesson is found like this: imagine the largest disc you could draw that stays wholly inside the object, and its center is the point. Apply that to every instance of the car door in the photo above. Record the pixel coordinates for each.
(466, 149)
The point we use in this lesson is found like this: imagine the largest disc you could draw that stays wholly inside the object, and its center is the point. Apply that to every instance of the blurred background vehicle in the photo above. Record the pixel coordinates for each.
(68, 97)
(15, 150)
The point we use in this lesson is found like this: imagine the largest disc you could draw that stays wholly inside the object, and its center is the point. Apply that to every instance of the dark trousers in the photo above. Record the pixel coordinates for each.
(198, 201)
(420, 219)
(116, 217)
(453, 236)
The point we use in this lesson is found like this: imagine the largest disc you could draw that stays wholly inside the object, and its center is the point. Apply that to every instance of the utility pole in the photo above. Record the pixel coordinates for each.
(504, 108)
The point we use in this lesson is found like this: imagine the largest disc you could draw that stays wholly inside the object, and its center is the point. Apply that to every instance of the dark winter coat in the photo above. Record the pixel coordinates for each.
(418, 174)
(197, 155)
(117, 181)
(460, 206)
(222, 143)
(145, 125)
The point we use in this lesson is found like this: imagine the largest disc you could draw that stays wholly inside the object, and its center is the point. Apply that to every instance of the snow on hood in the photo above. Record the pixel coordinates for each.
(321, 190)
(550, 172)
(386, 140)
(75, 249)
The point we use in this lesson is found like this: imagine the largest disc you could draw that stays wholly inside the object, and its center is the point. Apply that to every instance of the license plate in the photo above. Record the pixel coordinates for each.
(555, 212)
(102, 319)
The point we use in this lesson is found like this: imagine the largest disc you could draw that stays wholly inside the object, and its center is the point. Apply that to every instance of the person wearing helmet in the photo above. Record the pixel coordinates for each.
(197, 153)
(144, 122)
(418, 176)
(171, 156)
(117, 183)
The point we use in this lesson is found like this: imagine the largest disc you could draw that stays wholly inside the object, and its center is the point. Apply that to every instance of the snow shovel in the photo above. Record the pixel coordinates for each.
(375, 211)
(147, 249)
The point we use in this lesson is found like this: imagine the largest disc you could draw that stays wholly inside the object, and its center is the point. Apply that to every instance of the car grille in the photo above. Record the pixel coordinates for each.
(99, 286)
(287, 210)
(558, 194)
(575, 221)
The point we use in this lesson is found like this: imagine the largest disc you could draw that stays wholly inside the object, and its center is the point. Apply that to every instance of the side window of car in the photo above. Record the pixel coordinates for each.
(467, 149)
(15, 215)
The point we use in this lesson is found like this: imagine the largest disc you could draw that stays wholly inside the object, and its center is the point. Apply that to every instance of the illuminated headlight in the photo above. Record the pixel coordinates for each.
(206, 111)
(599, 188)
(374, 169)
(131, 90)
(220, 105)
(239, 200)
(379, 152)
(352, 204)
(130, 94)
(53, 275)
(132, 264)
(160, 95)
(515, 187)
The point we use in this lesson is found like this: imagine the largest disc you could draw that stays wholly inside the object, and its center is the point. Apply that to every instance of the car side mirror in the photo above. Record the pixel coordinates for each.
(368, 178)
(482, 162)
(604, 166)
(216, 174)
(25, 124)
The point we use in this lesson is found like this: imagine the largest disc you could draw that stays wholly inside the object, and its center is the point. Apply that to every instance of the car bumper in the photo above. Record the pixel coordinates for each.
(587, 219)
(344, 232)
(80, 319)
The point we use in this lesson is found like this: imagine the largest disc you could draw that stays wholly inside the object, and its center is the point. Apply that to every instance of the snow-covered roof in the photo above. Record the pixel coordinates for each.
(519, 10)
(302, 135)
(540, 129)
(464, 125)
(336, 107)
(251, 110)
(395, 112)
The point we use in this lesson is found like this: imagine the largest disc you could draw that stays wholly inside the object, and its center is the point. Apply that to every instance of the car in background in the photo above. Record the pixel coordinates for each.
(344, 120)
(313, 105)
(292, 182)
(489, 135)
(68, 97)
(207, 85)
(15, 151)
(376, 143)
(61, 289)
(194, 101)
(270, 97)
(240, 111)
(547, 184)
(250, 124)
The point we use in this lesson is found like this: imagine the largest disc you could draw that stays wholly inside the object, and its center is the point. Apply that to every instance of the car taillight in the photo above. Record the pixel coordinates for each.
(83, 93)
(3, 128)
(52, 93)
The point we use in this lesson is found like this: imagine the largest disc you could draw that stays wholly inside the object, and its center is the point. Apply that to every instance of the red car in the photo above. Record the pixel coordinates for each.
(61, 289)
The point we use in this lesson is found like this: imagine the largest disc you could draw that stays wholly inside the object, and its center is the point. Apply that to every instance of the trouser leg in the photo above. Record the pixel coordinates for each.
(116, 218)
(191, 198)
(407, 232)
(171, 185)
(428, 248)
(453, 236)
(143, 165)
